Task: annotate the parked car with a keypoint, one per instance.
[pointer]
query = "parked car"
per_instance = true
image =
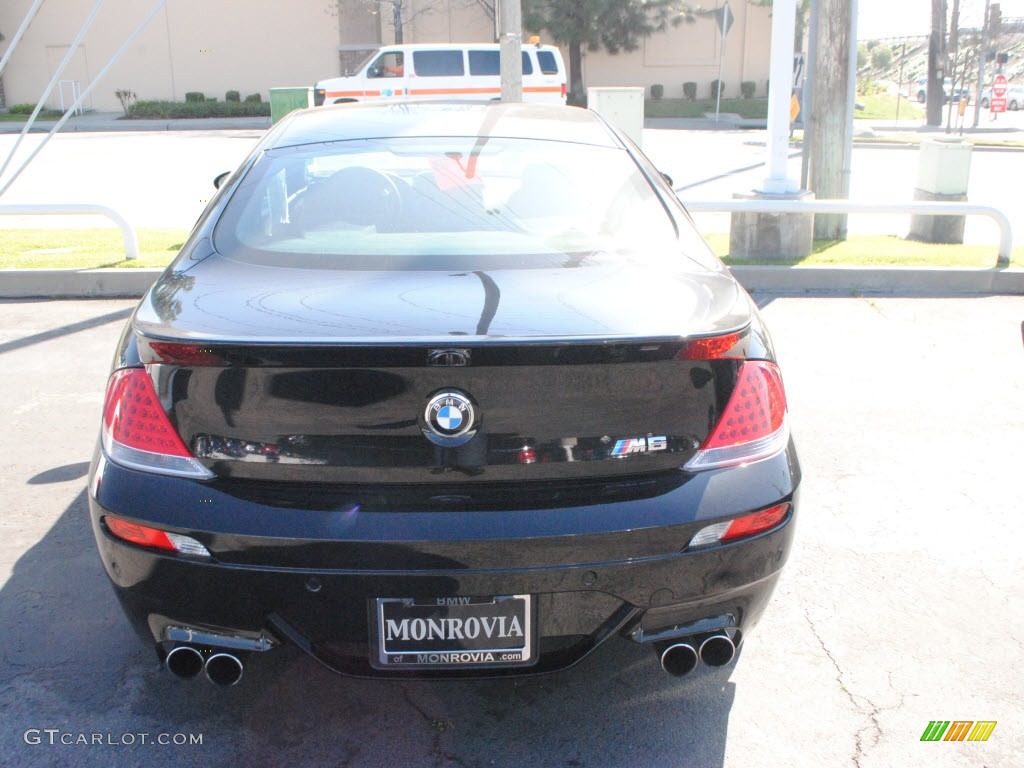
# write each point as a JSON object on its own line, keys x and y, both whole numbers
{"x": 446, "y": 71}
{"x": 951, "y": 93}
{"x": 443, "y": 389}
{"x": 1014, "y": 97}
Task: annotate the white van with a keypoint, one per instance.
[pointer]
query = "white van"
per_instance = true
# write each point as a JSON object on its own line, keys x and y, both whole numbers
{"x": 446, "y": 71}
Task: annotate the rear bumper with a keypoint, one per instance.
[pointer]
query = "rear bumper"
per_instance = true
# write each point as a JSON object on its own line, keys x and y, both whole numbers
{"x": 594, "y": 570}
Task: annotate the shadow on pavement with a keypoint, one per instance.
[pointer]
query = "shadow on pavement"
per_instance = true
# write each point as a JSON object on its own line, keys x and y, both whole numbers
{"x": 70, "y": 662}
{"x": 65, "y": 330}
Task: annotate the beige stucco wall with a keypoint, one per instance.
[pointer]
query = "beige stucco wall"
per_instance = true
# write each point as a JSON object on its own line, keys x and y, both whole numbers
{"x": 252, "y": 45}
{"x": 192, "y": 45}
{"x": 690, "y": 52}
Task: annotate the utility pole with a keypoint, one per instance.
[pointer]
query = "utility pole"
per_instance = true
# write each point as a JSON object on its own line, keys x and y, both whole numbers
{"x": 954, "y": 42}
{"x": 511, "y": 38}
{"x": 832, "y": 111}
{"x": 986, "y": 41}
{"x": 937, "y": 64}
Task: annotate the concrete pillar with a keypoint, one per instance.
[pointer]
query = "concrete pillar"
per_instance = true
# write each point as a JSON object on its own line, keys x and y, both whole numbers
{"x": 944, "y": 169}
{"x": 771, "y": 236}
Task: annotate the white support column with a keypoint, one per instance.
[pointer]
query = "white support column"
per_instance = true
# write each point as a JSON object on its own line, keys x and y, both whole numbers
{"x": 780, "y": 93}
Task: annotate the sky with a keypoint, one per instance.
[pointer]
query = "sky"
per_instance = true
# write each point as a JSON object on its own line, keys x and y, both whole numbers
{"x": 894, "y": 18}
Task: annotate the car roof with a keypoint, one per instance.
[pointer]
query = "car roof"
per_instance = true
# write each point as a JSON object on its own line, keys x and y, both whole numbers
{"x": 412, "y": 119}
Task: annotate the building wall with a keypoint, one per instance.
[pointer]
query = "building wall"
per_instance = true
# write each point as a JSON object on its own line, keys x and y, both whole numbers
{"x": 690, "y": 52}
{"x": 191, "y": 45}
{"x": 253, "y": 45}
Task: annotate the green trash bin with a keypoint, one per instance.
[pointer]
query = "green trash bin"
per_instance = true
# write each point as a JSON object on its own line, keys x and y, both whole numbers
{"x": 284, "y": 100}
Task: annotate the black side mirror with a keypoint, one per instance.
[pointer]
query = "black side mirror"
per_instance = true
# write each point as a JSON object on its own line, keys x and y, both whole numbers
{"x": 668, "y": 179}
{"x": 220, "y": 178}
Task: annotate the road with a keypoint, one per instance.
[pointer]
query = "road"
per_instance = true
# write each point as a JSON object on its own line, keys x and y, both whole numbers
{"x": 901, "y": 604}
{"x": 163, "y": 179}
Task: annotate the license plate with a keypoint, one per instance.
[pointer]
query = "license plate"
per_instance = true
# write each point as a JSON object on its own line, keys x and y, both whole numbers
{"x": 451, "y": 632}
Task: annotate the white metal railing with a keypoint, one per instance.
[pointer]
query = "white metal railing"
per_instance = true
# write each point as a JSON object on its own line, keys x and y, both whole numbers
{"x": 847, "y": 206}
{"x": 131, "y": 241}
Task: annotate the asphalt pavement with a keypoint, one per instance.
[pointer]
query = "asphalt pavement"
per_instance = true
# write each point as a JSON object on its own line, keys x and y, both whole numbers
{"x": 900, "y": 605}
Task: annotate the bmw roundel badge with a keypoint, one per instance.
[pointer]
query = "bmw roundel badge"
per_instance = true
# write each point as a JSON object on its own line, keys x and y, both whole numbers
{"x": 450, "y": 418}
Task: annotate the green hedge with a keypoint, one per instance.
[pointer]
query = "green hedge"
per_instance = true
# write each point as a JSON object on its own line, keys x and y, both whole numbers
{"x": 176, "y": 110}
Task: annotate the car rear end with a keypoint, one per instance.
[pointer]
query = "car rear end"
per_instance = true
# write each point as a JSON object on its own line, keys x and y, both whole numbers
{"x": 451, "y": 464}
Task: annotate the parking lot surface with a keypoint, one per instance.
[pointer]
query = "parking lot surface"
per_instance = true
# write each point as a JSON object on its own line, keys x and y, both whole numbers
{"x": 900, "y": 606}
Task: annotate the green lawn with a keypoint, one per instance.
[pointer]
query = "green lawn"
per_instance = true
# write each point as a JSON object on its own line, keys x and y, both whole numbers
{"x": 85, "y": 248}
{"x": 46, "y": 114}
{"x": 882, "y": 106}
{"x": 882, "y": 251}
{"x": 94, "y": 248}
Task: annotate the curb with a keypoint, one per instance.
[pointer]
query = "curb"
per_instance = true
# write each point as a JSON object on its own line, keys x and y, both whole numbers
{"x": 900, "y": 281}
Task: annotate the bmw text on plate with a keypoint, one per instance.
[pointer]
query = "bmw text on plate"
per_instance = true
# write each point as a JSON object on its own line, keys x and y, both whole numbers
{"x": 443, "y": 389}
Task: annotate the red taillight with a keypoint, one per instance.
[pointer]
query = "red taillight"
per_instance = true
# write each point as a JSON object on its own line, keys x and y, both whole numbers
{"x": 137, "y": 432}
{"x": 756, "y": 409}
{"x": 753, "y": 424}
{"x": 175, "y": 353}
{"x": 712, "y": 348}
{"x": 565, "y": 90}
{"x": 134, "y": 417}
{"x": 759, "y": 522}
{"x": 142, "y": 535}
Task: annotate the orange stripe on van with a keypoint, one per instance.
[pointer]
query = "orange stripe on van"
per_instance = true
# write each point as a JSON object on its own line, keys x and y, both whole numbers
{"x": 347, "y": 94}
{"x": 450, "y": 91}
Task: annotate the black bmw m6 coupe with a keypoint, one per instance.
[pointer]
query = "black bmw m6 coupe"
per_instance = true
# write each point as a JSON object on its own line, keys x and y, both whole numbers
{"x": 443, "y": 390}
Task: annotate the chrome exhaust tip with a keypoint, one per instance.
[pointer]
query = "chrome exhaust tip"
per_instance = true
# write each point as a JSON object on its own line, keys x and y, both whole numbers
{"x": 184, "y": 661}
{"x": 679, "y": 659}
{"x": 224, "y": 669}
{"x": 717, "y": 650}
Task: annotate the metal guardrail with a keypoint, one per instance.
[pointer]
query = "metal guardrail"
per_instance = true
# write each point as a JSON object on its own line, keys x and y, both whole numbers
{"x": 131, "y": 241}
{"x": 848, "y": 206}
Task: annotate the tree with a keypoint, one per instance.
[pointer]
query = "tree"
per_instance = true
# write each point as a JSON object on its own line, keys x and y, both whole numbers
{"x": 401, "y": 13}
{"x": 614, "y": 25}
{"x": 803, "y": 8}
{"x": 881, "y": 57}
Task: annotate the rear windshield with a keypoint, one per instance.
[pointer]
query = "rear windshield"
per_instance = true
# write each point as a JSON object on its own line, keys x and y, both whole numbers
{"x": 446, "y": 203}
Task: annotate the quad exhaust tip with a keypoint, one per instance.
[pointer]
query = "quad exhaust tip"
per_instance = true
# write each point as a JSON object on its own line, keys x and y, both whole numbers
{"x": 717, "y": 650}
{"x": 186, "y": 662}
{"x": 224, "y": 669}
{"x": 680, "y": 656}
{"x": 679, "y": 659}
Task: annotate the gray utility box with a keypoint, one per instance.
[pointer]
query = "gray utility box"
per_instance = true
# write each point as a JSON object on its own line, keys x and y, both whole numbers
{"x": 944, "y": 169}
{"x": 622, "y": 107}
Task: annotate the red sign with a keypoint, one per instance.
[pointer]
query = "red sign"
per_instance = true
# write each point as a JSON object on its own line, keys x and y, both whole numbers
{"x": 999, "y": 86}
{"x": 997, "y": 104}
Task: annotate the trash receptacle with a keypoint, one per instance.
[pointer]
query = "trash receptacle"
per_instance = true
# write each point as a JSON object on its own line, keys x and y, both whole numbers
{"x": 944, "y": 169}
{"x": 284, "y": 100}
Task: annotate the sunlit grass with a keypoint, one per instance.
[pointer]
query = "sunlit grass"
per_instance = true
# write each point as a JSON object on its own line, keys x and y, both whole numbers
{"x": 881, "y": 251}
{"x": 85, "y": 248}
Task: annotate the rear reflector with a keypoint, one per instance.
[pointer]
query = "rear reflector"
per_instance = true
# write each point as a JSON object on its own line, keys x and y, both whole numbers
{"x": 753, "y": 425}
{"x": 740, "y": 528}
{"x": 154, "y": 538}
{"x": 137, "y": 432}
